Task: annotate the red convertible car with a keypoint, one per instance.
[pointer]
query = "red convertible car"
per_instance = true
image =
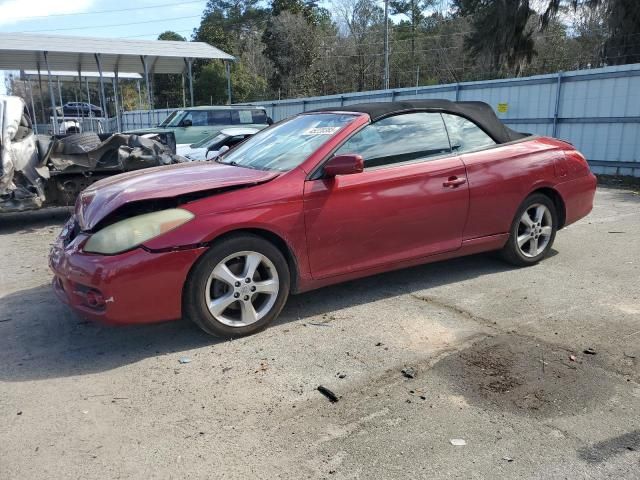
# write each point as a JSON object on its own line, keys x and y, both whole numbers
{"x": 320, "y": 198}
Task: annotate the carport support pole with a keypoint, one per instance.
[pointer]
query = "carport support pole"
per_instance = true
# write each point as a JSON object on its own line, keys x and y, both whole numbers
{"x": 60, "y": 94}
{"x": 44, "y": 116}
{"x": 115, "y": 99}
{"x": 139, "y": 95}
{"x": 227, "y": 67}
{"x": 79, "y": 93}
{"x": 190, "y": 73}
{"x": 146, "y": 77}
{"x": 33, "y": 107}
{"x": 103, "y": 97}
{"x": 184, "y": 92}
{"x": 89, "y": 102}
{"x": 51, "y": 97}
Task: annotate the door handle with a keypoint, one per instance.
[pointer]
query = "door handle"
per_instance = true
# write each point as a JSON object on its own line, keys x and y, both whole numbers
{"x": 454, "y": 182}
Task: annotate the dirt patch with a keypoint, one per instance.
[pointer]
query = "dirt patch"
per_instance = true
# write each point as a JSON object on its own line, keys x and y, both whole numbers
{"x": 514, "y": 373}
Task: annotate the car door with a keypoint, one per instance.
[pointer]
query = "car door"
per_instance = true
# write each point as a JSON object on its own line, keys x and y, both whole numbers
{"x": 410, "y": 201}
{"x": 193, "y": 127}
{"x": 496, "y": 174}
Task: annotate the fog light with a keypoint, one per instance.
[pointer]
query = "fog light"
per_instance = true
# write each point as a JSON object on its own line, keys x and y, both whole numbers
{"x": 94, "y": 299}
{"x": 90, "y": 296}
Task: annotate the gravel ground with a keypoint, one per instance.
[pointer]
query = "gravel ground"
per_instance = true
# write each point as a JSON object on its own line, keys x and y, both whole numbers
{"x": 498, "y": 357}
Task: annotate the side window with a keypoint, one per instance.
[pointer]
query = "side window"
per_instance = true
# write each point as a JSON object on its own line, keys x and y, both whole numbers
{"x": 259, "y": 116}
{"x": 465, "y": 135}
{"x": 240, "y": 117}
{"x": 401, "y": 138}
{"x": 219, "y": 117}
{"x": 198, "y": 118}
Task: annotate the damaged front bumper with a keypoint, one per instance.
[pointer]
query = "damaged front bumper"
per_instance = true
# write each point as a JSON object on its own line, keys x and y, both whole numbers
{"x": 148, "y": 287}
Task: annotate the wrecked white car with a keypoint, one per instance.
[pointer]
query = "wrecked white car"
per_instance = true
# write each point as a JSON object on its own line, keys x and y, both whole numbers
{"x": 43, "y": 170}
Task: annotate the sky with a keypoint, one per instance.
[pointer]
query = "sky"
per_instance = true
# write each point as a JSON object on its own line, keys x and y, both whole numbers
{"x": 142, "y": 19}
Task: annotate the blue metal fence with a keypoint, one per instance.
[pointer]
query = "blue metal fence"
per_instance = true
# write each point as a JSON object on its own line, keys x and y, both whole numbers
{"x": 597, "y": 110}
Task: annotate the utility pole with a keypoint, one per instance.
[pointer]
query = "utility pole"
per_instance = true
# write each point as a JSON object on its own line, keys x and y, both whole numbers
{"x": 386, "y": 44}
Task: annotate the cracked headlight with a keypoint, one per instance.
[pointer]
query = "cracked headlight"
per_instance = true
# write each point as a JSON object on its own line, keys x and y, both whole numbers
{"x": 130, "y": 233}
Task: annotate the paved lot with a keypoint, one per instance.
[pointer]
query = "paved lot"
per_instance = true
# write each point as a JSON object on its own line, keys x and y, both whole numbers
{"x": 491, "y": 347}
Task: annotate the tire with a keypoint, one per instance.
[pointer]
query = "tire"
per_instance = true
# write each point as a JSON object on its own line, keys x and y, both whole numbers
{"x": 80, "y": 143}
{"x": 209, "y": 283}
{"x": 531, "y": 240}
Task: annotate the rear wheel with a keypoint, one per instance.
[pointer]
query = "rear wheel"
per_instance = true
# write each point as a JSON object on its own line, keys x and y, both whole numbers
{"x": 533, "y": 231}
{"x": 238, "y": 287}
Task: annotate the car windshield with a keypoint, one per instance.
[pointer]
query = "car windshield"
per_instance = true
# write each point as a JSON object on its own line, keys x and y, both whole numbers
{"x": 286, "y": 145}
{"x": 174, "y": 119}
{"x": 209, "y": 140}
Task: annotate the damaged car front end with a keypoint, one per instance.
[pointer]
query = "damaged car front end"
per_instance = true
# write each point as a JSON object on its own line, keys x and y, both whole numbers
{"x": 42, "y": 170}
{"x": 114, "y": 231}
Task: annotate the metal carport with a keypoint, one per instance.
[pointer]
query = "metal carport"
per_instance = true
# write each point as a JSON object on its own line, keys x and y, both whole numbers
{"x": 89, "y": 77}
{"x": 24, "y": 51}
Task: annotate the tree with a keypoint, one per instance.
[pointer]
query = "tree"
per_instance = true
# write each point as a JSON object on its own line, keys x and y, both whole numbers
{"x": 291, "y": 45}
{"x": 171, "y": 36}
{"x": 414, "y": 10}
{"x": 501, "y": 32}
{"x": 167, "y": 88}
{"x": 364, "y": 24}
{"x": 622, "y": 26}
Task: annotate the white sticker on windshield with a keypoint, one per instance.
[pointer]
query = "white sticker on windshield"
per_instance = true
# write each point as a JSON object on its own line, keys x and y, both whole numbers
{"x": 322, "y": 131}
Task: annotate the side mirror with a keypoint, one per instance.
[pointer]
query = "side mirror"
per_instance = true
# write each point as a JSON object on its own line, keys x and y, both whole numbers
{"x": 186, "y": 123}
{"x": 344, "y": 165}
{"x": 269, "y": 121}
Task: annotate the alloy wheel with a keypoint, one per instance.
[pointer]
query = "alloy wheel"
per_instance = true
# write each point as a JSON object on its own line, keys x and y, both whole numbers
{"x": 534, "y": 230}
{"x": 242, "y": 289}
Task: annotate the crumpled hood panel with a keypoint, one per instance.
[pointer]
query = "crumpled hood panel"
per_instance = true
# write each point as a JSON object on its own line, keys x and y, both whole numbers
{"x": 106, "y": 196}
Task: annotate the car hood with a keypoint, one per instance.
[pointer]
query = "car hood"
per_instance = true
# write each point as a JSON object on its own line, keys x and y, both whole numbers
{"x": 104, "y": 197}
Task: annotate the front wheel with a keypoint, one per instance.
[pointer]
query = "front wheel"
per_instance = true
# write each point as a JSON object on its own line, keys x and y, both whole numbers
{"x": 238, "y": 287}
{"x": 533, "y": 231}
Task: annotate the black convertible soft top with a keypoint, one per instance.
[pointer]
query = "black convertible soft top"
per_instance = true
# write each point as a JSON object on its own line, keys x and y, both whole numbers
{"x": 478, "y": 112}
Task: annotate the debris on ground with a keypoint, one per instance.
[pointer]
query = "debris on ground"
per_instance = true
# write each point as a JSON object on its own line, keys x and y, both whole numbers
{"x": 409, "y": 372}
{"x": 19, "y": 413}
{"x": 263, "y": 367}
{"x": 508, "y": 459}
{"x": 341, "y": 375}
{"x": 184, "y": 360}
{"x": 379, "y": 344}
{"x": 458, "y": 442}
{"x": 5, "y": 320}
{"x": 333, "y": 398}
{"x": 319, "y": 324}
{"x": 589, "y": 351}
{"x": 572, "y": 358}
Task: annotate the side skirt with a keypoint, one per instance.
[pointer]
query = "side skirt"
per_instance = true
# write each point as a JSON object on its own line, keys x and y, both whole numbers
{"x": 468, "y": 247}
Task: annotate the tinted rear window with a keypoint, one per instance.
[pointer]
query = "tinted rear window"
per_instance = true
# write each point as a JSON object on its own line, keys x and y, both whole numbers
{"x": 247, "y": 117}
{"x": 219, "y": 117}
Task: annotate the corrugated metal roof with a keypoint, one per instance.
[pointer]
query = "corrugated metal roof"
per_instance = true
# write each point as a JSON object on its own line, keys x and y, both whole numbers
{"x": 24, "y": 51}
{"x": 66, "y": 76}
